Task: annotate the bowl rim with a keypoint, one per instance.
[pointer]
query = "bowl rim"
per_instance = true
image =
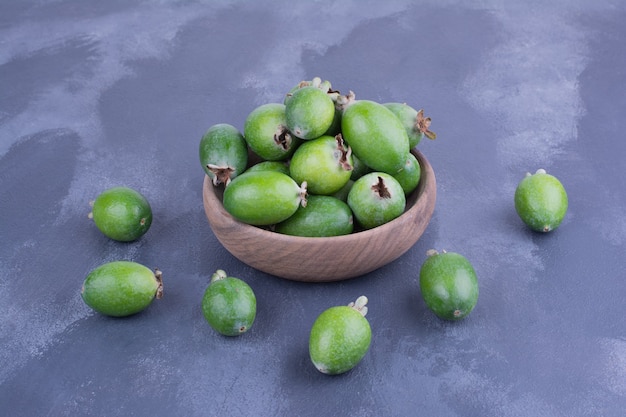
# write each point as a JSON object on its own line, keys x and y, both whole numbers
{"x": 427, "y": 173}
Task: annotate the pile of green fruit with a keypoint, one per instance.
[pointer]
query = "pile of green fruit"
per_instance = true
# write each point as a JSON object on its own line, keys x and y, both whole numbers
{"x": 321, "y": 161}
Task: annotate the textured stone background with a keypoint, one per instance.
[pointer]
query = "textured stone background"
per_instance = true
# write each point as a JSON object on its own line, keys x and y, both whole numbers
{"x": 95, "y": 94}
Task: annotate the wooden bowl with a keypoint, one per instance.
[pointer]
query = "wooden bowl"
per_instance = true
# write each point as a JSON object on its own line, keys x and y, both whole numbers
{"x": 320, "y": 259}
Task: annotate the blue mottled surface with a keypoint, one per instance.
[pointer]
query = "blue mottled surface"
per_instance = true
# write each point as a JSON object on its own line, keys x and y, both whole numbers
{"x": 96, "y": 94}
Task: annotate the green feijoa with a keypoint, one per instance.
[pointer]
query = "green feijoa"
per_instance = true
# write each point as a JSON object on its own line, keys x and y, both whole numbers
{"x": 317, "y": 82}
{"x": 335, "y": 127}
{"x": 342, "y": 194}
{"x": 223, "y": 153}
{"x": 309, "y": 112}
{"x": 410, "y": 176}
{"x": 121, "y": 288}
{"x": 324, "y": 163}
{"x": 278, "y": 166}
{"x": 325, "y": 86}
{"x": 121, "y": 214}
{"x": 375, "y": 199}
{"x": 358, "y": 168}
{"x": 323, "y": 216}
{"x": 448, "y": 285}
{"x": 229, "y": 304}
{"x": 414, "y": 122}
{"x": 265, "y": 131}
{"x": 263, "y": 198}
{"x": 340, "y": 337}
{"x": 541, "y": 201}
{"x": 376, "y": 135}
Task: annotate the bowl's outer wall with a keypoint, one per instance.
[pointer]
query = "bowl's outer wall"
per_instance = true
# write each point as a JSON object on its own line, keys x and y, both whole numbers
{"x": 324, "y": 259}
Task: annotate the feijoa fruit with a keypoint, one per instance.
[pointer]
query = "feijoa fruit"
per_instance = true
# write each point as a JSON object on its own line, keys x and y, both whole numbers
{"x": 229, "y": 304}
{"x": 410, "y": 176}
{"x": 121, "y": 214}
{"x": 541, "y": 201}
{"x": 358, "y": 168}
{"x": 325, "y": 86}
{"x": 279, "y": 166}
{"x": 415, "y": 124}
{"x": 265, "y": 131}
{"x": 342, "y": 194}
{"x": 317, "y": 82}
{"x": 121, "y": 288}
{"x": 325, "y": 163}
{"x": 309, "y": 112}
{"x": 375, "y": 199}
{"x": 376, "y": 135}
{"x": 223, "y": 153}
{"x": 448, "y": 284}
{"x": 323, "y": 216}
{"x": 263, "y": 198}
{"x": 340, "y": 337}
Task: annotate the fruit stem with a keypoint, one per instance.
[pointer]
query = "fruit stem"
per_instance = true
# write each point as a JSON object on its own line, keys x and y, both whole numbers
{"x": 345, "y": 152}
{"x": 303, "y": 194}
{"x": 380, "y": 188}
{"x": 282, "y": 138}
{"x": 158, "y": 275}
{"x": 359, "y": 305}
{"x": 422, "y": 124}
{"x": 317, "y": 82}
{"x": 219, "y": 274}
{"x": 432, "y": 252}
{"x": 221, "y": 174}
{"x": 343, "y": 102}
{"x": 326, "y": 87}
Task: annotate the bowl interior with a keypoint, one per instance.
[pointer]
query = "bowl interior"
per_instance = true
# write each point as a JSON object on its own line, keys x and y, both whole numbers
{"x": 319, "y": 259}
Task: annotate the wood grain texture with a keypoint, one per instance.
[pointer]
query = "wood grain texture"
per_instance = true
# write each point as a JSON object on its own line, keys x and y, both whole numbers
{"x": 319, "y": 259}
